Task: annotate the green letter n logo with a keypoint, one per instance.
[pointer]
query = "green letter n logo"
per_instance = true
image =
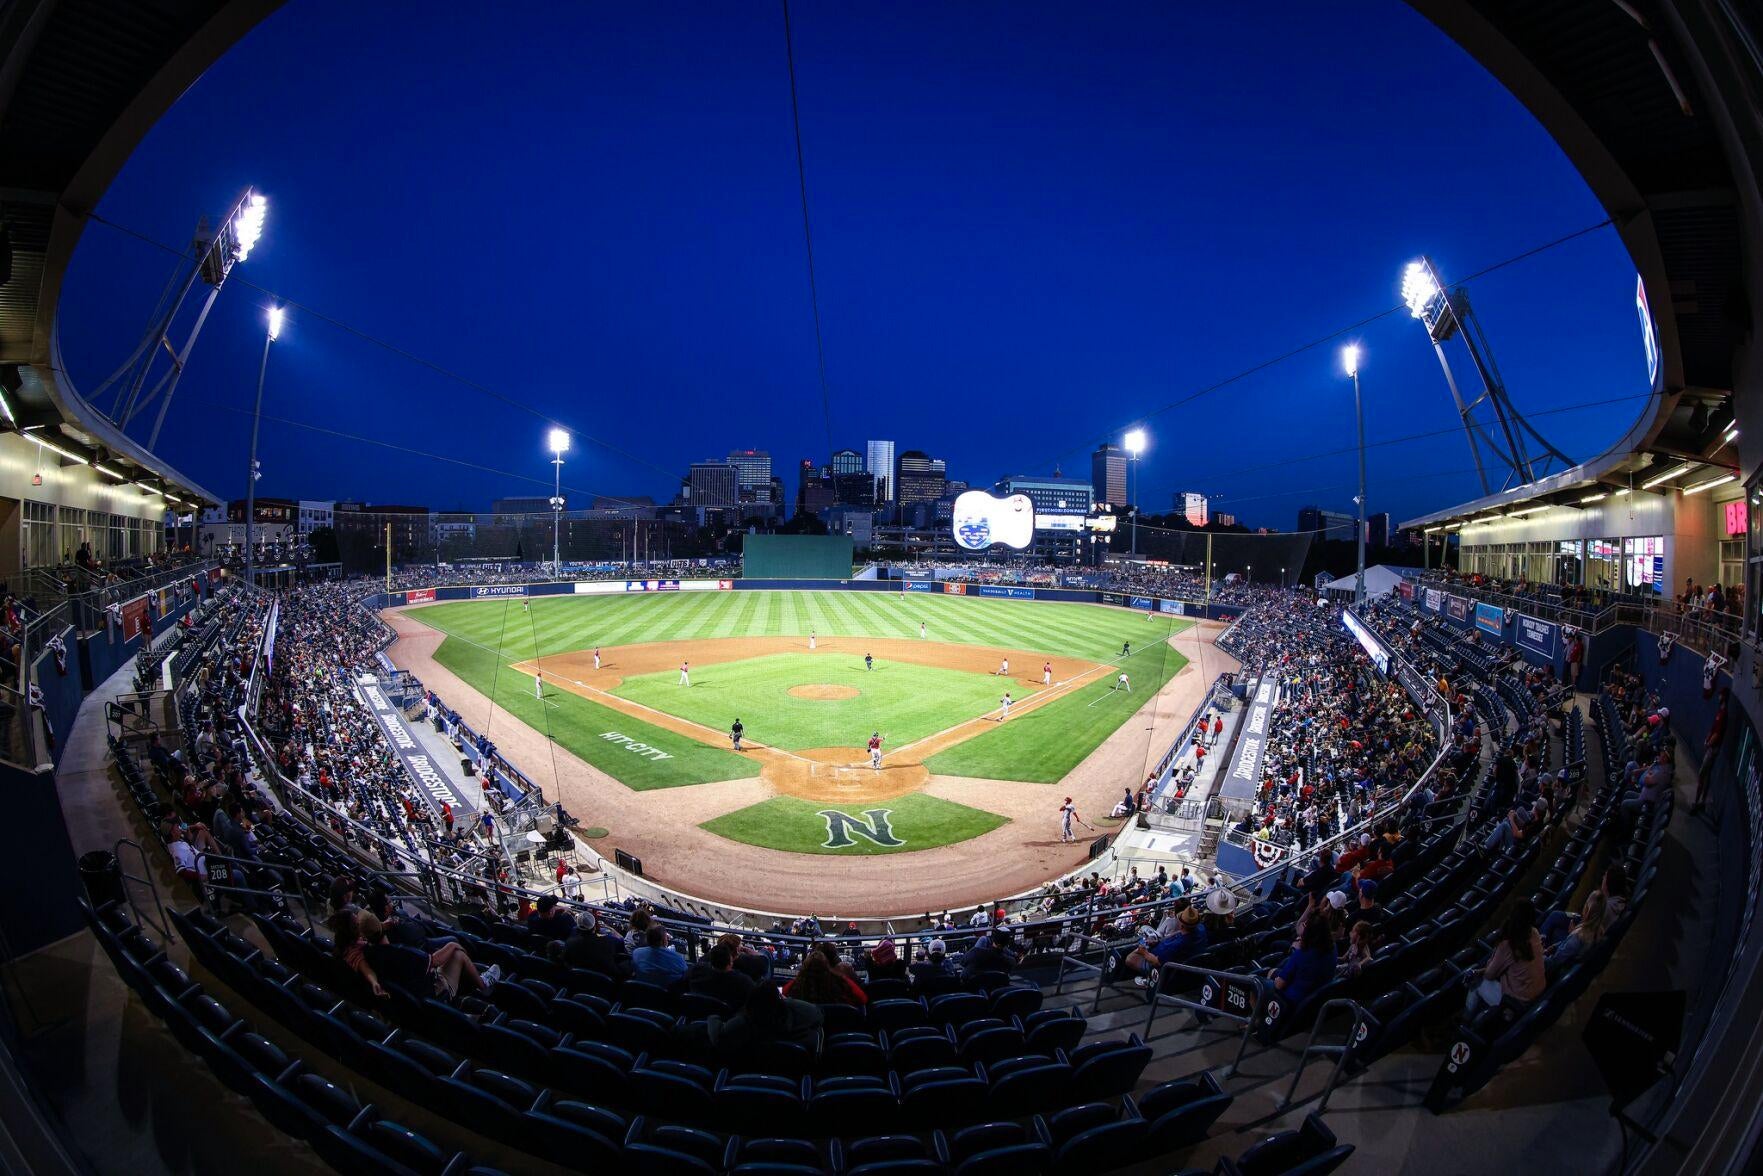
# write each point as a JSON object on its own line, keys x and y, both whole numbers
{"x": 840, "y": 826}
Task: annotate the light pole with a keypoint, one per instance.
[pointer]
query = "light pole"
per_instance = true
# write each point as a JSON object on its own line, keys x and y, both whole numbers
{"x": 275, "y": 328}
{"x": 1350, "y": 360}
{"x": 1282, "y": 577}
{"x": 559, "y": 446}
{"x": 1135, "y": 445}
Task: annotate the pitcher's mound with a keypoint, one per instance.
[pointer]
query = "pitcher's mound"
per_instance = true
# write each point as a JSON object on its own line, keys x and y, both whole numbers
{"x": 823, "y": 693}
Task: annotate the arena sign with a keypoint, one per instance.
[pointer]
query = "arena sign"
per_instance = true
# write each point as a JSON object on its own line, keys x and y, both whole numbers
{"x": 1006, "y": 592}
{"x": 980, "y": 520}
{"x": 1490, "y": 619}
{"x": 1540, "y": 637}
{"x": 1457, "y": 608}
{"x": 1435, "y": 600}
{"x": 841, "y": 825}
{"x": 1243, "y": 780}
{"x": 419, "y": 596}
{"x": 486, "y": 591}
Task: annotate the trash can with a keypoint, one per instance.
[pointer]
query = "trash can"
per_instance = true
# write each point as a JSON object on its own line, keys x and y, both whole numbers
{"x": 102, "y": 874}
{"x": 468, "y": 765}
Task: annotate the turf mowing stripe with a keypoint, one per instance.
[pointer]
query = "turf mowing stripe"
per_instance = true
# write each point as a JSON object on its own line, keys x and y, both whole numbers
{"x": 747, "y": 619}
{"x": 884, "y": 622}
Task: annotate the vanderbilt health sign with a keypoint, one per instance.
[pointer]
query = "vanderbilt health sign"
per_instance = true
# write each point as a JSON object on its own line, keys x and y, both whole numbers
{"x": 1244, "y": 778}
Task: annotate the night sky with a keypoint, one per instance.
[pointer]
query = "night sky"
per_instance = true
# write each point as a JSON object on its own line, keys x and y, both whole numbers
{"x": 1034, "y": 224}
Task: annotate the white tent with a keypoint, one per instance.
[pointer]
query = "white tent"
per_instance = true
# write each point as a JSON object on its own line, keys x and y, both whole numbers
{"x": 1379, "y": 581}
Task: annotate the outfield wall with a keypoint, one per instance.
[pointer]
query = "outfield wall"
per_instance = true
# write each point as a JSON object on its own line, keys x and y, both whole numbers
{"x": 1165, "y": 605}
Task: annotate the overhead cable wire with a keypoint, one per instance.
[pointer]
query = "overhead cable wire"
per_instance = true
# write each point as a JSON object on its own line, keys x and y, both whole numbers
{"x": 826, "y": 402}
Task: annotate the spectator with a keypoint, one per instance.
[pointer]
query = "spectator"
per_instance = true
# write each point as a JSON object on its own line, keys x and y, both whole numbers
{"x": 715, "y": 977}
{"x": 656, "y": 961}
{"x": 1188, "y": 936}
{"x": 1514, "y": 975}
{"x": 550, "y": 920}
{"x": 885, "y": 962}
{"x": 991, "y": 954}
{"x": 766, "y": 1016}
{"x": 818, "y": 983}
{"x": 591, "y": 948}
{"x": 934, "y": 964}
{"x": 1310, "y": 965}
{"x": 1586, "y": 932}
{"x": 449, "y": 968}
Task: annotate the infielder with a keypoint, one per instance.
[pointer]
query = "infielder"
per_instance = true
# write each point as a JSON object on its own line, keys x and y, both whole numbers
{"x": 1004, "y": 706}
{"x": 1047, "y": 674}
{"x": 811, "y": 641}
{"x": 596, "y": 657}
{"x": 869, "y": 661}
{"x": 538, "y": 684}
{"x": 1123, "y": 683}
{"x": 685, "y": 673}
{"x": 735, "y": 732}
{"x": 1004, "y": 668}
{"x": 875, "y": 742}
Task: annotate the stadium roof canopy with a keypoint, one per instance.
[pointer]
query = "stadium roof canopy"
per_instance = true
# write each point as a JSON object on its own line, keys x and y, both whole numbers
{"x": 1627, "y": 101}
{"x": 1380, "y": 580}
{"x": 81, "y": 82}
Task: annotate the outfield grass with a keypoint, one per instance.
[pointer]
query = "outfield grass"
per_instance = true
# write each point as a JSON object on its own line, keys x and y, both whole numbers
{"x": 578, "y": 724}
{"x": 557, "y": 624}
{"x": 915, "y": 821}
{"x": 905, "y": 702}
{"x": 1044, "y": 744}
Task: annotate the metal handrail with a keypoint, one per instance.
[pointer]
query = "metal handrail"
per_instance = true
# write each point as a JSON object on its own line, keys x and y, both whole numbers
{"x": 163, "y": 926}
{"x": 1212, "y": 1003}
{"x": 1339, "y": 1052}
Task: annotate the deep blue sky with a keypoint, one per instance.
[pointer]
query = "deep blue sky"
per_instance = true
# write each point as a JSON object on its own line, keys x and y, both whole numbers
{"x": 1033, "y": 224}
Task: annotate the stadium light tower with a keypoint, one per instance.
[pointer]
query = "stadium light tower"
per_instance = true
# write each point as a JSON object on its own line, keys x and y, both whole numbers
{"x": 269, "y": 336}
{"x": 559, "y": 441}
{"x": 1447, "y": 315}
{"x": 215, "y": 253}
{"x": 1135, "y": 445}
{"x": 1350, "y": 361}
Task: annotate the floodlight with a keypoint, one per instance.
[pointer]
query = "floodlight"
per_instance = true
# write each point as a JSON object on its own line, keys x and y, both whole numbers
{"x": 1593, "y": 498}
{"x": 104, "y": 469}
{"x": 248, "y": 224}
{"x": 559, "y": 442}
{"x": 1668, "y": 475}
{"x": 1710, "y": 484}
{"x": 1135, "y": 441}
{"x": 1419, "y": 288}
{"x": 276, "y": 313}
{"x": 1350, "y": 359}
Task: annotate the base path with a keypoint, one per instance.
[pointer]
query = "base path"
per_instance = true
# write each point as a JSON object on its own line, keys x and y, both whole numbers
{"x": 661, "y": 825}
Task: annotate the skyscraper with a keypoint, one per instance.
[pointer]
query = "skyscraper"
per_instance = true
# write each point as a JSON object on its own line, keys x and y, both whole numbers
{"x": 921, "y": 477}
{"x": 752, "y": 472}
{"x": 846, "y": 461}
{"x": 1377, "y": 530}
{"x": 1108, "y": 474}
{"x": 880, "y": 464}
{"x": 1192, "y": 506}
{"x": 711, "y": 483}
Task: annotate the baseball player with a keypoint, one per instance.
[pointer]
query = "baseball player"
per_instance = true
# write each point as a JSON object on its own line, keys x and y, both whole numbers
{"x": 1047, "y": 674}
{"x": 538, "y": 684}
{"x": 596, "y": 657}
{"x": 1004, "y": 668}
{"x": 921, "y": 630}
{"x": 1126, "y": 649}
{"x": 1068, "y": 814}
{"x": 1004, "y": 707}
{"x": 735, "y": 732}
{"x": 685, "y": 673}
{"x": 811, "y": 641}
{"x": 869, "y": 661}
{"x": 1123, "y": 683}
{"x": 875, "y": 742}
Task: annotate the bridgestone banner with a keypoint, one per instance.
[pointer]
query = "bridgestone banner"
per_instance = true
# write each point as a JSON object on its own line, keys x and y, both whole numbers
{"x": 1243, "y": 781}
{"x": 416, "y": 761}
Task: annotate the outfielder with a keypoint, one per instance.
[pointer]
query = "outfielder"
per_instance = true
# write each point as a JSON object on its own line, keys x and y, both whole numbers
{"x": 869, "y": 661}
{"x": 596, "y": 657}
{"x": 921, "y": 630}
{"x": 685, "y": 673}
{"x": 1004, "y": 706}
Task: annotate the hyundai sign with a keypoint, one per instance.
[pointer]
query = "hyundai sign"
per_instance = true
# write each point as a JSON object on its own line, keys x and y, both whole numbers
{"x": 981, "y": 520}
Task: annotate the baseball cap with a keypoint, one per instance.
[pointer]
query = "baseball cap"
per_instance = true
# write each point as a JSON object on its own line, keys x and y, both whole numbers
{"x": 1337, "y": 899}
{"x": 939, "y": 945}
{"x": 1368, "y": 888}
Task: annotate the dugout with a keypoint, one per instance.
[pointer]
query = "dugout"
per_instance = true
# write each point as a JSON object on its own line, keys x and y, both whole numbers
{"x": 796, "y": 557}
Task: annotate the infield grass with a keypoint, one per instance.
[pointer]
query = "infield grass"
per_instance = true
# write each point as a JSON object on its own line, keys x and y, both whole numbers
{"x": 915, "y": 821}
{"x": 579, "y": 725}
{"x": 905, "y": 702}
{"x": 1046, "y": 743}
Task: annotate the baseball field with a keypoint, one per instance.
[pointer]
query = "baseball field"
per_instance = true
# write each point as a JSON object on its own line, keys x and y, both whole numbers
{"x": 813, "y": 677}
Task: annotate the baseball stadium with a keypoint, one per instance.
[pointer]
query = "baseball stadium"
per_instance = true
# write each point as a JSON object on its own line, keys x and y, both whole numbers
{"x": 445, "y": 734}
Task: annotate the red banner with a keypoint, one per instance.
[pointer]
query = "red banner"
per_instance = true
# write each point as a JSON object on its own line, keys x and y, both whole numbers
{"x": 213, "y": 575}
{"x": 1406, "y": 589}
{"x": 954, "y": 589}
{"x": 419, "y": 596}
{"x": 134, "y": 618}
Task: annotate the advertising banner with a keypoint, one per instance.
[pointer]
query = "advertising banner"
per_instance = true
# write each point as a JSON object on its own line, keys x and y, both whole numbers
{"x": 1405, "y": 589}
{"x": 1178, "y": 607}
{"x": 213, "y": 575}
{"x": 1007, "y": 592}
{"x": 164, "y": 601}
{"x": 1374, "y": 649}
{"x": 1540, "y": 637}
{"x": 1435, "y": 600}
{"x": 1144, "y": 602}
{"x": 416, "y": 761}
{"x": 954, "y": 589}
{"x": 920, "y": 586}
{"x": 1243, "y": 780}
{"x": 487, "y": 591}
{"x": 1457, "y": 608}
{"x": 1114, "y": 598}
{"x": 1490, "y": 619}
{"x": 419, "y": 596}
{"x": 134, "y": 618}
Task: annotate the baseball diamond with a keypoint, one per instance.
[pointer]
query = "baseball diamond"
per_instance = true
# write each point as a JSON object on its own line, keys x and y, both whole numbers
{"x": 651, "y": 759}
